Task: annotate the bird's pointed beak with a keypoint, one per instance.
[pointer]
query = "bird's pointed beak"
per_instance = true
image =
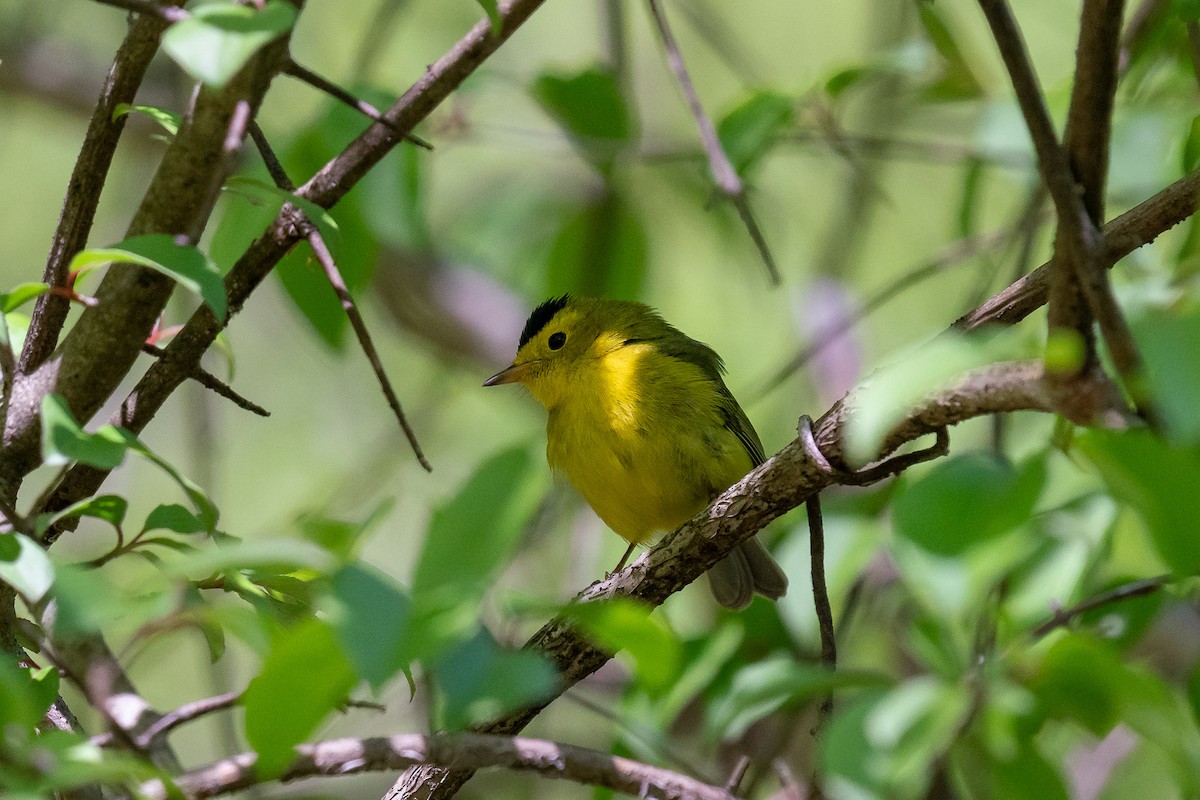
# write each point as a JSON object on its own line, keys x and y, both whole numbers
{"x": 511, "y": 374}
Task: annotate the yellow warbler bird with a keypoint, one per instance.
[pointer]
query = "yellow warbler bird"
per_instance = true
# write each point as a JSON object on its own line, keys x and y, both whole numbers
{"x": 642, "y": 424}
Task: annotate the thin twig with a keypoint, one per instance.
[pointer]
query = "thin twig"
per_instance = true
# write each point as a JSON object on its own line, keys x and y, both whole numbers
{"x": 464, "y": 750}
{"x": 212, "y": 383}
{"x": 1064, "y": 616}
{"x": 330, "y": 88}
{"x": 820, "y": 589}
{"x": 334, "y": 276}
{"x": 723, "y": 173}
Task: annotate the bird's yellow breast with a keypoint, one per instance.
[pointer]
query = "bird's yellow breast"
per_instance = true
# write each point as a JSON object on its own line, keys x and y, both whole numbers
{"x": 641, "y": 436}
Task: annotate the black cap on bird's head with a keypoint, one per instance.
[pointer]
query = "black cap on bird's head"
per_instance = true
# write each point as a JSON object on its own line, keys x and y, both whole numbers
{"x": 541, "y": 316}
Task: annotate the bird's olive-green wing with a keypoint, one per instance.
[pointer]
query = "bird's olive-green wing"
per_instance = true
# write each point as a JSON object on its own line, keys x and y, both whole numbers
{"x": 687, "y": 349}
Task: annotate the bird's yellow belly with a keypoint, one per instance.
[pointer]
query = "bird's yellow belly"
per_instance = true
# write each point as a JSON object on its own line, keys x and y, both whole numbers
{"x": 638, "y": 482}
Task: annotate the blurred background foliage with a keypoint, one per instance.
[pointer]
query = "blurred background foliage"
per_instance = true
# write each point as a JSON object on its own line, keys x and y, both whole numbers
{"x": 890, "y": 171}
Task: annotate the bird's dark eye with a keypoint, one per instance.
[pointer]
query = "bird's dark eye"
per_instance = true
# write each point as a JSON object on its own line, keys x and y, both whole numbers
{"x": 557, "y": 340}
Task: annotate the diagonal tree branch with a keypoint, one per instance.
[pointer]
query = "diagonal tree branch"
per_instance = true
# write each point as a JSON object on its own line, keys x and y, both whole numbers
{"x": 783, "y": 482}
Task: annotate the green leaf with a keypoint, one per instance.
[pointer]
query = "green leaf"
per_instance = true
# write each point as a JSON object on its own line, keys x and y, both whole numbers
{"x": 591, "y": 108}
{"x": 1159, "y": 481}
{"x": 217, "y": 39}
{"x": 232, "y": 555}
{"x": 1170, "y": 343}
{"x": 480, "y": 680}
{"x": 64, "y": 440}
{"x": 762, "y": 688}
{"x": 749, "y": 131}
{"x": 21, "y": 294}
{"x": 273, "y": 197}
{"x": 173, "y": 517}
{"x": 468, "y": 541}
{"x": 882, "y": 400}
{"x": 304, "y": 677}
{"x": 25, "y": 566}
{"x": 628, "y": 628}
{"x": 966, "y": 500}
{"x": 972, "y": 190}
{"x": 493, "y": 13}
{"x": 109, "y": 507}
{"x": 370, "y": 622}
{"x": 185, "y": 264}
{"x": 167, "y": 119}
{"x": 341, "y": 537}
{"x": 25, "y": 693}
{"x": 205, "y": 508}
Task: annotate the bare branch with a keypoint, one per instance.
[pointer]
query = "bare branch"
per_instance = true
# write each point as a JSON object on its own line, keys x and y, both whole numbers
{"x": 330, "y": 88}
{"x": 1139, "y": 226}
{"x": 1064, "y": 616}
{"x": 334, "y": 276}
{"x": 212, "y": 383}
{"x": 725, "y": 176}
{"x": 466, "y": 750}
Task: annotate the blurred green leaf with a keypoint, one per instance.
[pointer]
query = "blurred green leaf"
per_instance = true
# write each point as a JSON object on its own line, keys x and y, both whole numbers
{"x": 1158, "y": 480}
{"x": 881, "y": 400}
{"x": 1186, "y": 10}
{"x": 184, "y": 264}
{"x": 21, "y": 294}
{"x": 911, "y": 727}
{"x": 25, "y": 693}
{"x": 1080, "y": 679}
{"x": 972, "y": 191}
{"x": 749, "y": 131}
{"x": 168, "y": 120}
{"x": 957, "y": 81}
{"x": 304, "y": 677}
{"x": 591, "y": 108}
{"x": 493, "y": 14}
{"x": 1191, "y": 145}
{"x": 25, "y": 566}
{"x": 965, "y": 500}
{"x": 173, "y": 517}
{"x": 64, "y": 439}
{"x": 1170, "y": 344}
{"x": 230, "y": 555}
{"x": 600, "y": 250}
{"x": 341, "y": 537}
{"x": 480, "y": 680}
{"x": 629, "y": 629}
{"x": 217, "y": 39}
{"x": 469, "y": 539}
{"x": 88, "y": 601}
{"x": 766, "y": 686}
{"x": 370, "y": 622}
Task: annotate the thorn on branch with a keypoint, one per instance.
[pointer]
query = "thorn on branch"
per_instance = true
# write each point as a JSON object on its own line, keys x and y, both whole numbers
{"x": 369, "y": 111}
{"x": 212, "y": 383}
{"x": 729, "y": 183}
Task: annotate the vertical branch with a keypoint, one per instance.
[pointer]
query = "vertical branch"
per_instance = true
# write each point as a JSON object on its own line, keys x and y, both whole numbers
{"x": 87, "y": 181}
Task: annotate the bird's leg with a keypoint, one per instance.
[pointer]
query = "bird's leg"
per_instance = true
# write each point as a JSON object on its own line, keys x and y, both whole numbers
{"x": 621, "y": 563}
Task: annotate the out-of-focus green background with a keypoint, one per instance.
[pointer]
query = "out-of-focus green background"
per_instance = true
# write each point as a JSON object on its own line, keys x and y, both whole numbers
{"x": 495, "y": 192}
